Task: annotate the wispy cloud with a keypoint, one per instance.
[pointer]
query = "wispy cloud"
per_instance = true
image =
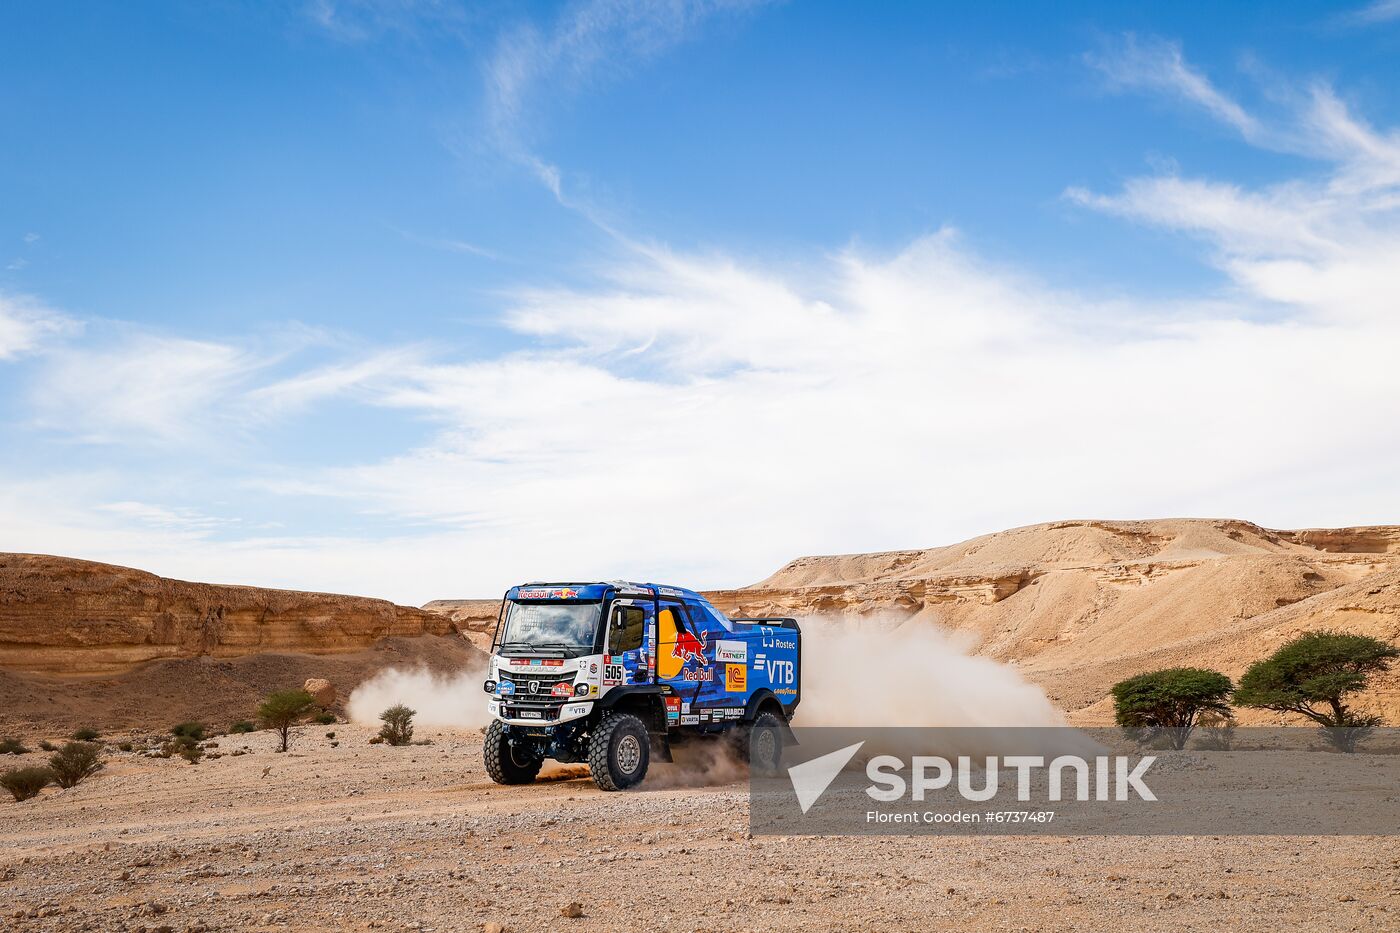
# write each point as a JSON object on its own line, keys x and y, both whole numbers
{"x": 1381, "y": 11}
{"x": 588, "y": 43}
{"x": 26, "y": 324}
{"x": 1156, "y": 64}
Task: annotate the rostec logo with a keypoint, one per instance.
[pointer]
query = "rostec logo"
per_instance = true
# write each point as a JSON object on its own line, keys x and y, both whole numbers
{"x": 1113, "y": 776}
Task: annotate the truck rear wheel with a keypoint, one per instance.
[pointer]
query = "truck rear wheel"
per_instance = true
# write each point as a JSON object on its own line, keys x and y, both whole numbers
{"x": 619, "y": 752}
{"x": 761, "y": 744}
{"x": 506, "y": 763}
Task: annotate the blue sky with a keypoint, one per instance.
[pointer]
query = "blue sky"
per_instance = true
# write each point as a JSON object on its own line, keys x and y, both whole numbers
{"x": 409, "y": 298}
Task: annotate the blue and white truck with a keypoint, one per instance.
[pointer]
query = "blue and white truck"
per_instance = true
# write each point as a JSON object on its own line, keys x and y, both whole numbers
{"x": 613, "y": 673}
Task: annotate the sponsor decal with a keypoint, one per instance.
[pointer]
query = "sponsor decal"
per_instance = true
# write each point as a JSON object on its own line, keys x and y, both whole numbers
{"x": 673, "y": 708}
{"x": 592, "y": 667}
{"x": 732, "y": 651}
{"x": 781, "y": 672}
{"x": 690, "y": 720}
{"x": 701, "y": 676}
{"x": 576, "y": 709}
{"x": 704, "y": 715}
{"x": 505, "y": 688}
{"x": 493, "y": 708}
{"x": 560, "y": 593}
{"x": 736, "y": 678}
{"x": 786, "y": 692}
{"x": 733, "y": 713}
{"x": 612, "y": 674}
{"x": 689, "y": 648}
{"x": 685, "y": 706}
{"x": 563, "y": 689}
{"x": 776, "y": 638}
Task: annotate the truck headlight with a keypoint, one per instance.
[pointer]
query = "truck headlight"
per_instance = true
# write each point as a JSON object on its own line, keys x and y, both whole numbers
{"x": 580, "y": 690}
{"x": 489, "y": 686}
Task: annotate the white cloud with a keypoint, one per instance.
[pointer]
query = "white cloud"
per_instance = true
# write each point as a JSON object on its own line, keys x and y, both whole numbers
{"x": 25, "y": 325}
{"x": 141, "y": 387}
{"x": 1381, "y": 11}
{"x": 589, "y": 41}
{"x": 1159, "y": 65}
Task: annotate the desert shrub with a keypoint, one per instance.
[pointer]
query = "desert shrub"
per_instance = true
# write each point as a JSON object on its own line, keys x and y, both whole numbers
{"x": 1162, "y": 706}
{"x": 330, "y": 735}
{"x": 189, "y": 730}
{"x": 124, "y": 746}
{"x": 75, "y": 762}
{"x": 325, "y": 719}
{"x": 10, "y": 745}
{"x": 86, "y": 734}
{"x": 282, "y": 710}
{"x": 23, "y": 783}
{"x": 241, "y": 727}
{"x": 46, "y": 745}
{"x": 398, "y": 724}
{"x": 1215, "y": 732}
{"x": 1312, "y": 676}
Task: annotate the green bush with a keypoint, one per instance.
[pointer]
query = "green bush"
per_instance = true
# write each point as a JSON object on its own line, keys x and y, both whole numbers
{"x": 46, "y": 745}
{"x": 10, "y": 745}
{"x": 325, "y": 719}
{"x": 86, "y": 734}
{"x": 1312, "y": 675}
{"x": 284, "y": 709}
{"x": 189, "y": 730}
{"x": 23, "y": 783}
{"x": 1164, "y": 705}
{"x": 241, "y": 727}
{"x": 398, "y": 724}
{"x": 125, "y": 747}
{"x": 75, "y": 762}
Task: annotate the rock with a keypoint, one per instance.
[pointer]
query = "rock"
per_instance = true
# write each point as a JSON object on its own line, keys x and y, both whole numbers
{"x": 494, "y": 927}
{"x": 321, "y": 690}
{"x": 572, "y": 910}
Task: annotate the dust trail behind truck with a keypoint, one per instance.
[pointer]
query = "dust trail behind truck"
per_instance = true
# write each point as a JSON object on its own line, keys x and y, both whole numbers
{"x": 613, "y": 673}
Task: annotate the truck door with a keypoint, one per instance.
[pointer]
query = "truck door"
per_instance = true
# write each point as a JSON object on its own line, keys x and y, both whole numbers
{"x": 682, "y": 659}
{"x": 628, "y": 657}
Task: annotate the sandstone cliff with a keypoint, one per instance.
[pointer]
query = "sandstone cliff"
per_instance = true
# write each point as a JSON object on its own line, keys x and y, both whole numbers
{"x": 1079, "y": 605}
{"x": 65, "y": 616}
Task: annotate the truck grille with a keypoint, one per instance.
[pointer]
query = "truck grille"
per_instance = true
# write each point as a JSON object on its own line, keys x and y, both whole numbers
{"x": 542, "y": 685}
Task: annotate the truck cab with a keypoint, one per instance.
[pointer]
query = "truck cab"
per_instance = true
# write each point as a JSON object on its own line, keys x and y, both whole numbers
{"x": 612, "y": 673}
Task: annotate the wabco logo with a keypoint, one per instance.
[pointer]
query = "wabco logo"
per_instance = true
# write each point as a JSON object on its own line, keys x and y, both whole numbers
{"x": 892, "y": 779}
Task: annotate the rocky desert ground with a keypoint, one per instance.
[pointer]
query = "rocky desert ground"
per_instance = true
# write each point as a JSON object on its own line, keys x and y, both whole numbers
{"x": 417, "y": 838}
{"x": 340, "y": 834}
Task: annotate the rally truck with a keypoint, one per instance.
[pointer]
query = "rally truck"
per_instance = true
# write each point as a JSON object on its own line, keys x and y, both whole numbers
{"x": 614, "y": 673}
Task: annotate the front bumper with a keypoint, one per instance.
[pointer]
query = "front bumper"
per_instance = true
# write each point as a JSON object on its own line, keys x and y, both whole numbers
{"x": 551, "y": 714}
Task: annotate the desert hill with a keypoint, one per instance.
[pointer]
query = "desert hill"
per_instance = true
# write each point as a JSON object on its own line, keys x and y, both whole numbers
{"x": 1074, "y": 605}
{"x": 1079, "y": 605}
{"x": 64, "y": 616}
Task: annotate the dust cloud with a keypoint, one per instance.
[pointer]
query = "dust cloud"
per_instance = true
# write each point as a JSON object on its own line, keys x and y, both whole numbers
{"x": 447, "y": 700}
{"x": 887, "y": 670}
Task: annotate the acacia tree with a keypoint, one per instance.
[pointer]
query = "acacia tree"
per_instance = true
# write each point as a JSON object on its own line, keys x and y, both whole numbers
{"x": 282, "y": 710}
{"x": 398, "y": 724}
{"x": 1311, "y": 676}
{"x": 1169, "y": 702}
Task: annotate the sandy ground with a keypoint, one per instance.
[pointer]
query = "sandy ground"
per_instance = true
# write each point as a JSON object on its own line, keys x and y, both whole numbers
{"x": 370, "y": 837}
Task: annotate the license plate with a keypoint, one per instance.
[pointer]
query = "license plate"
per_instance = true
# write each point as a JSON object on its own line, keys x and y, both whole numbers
{"x": 530, "y": 714}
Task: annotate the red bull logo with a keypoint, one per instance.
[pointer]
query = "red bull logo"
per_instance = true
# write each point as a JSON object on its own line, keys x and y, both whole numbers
{"x": 689, "y": 648}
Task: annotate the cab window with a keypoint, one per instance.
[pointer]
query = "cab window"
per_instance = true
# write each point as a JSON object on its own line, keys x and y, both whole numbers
{"x": 625, "y": 633}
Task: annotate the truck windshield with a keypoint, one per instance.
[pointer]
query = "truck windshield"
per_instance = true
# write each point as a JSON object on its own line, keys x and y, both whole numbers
{"x": 550, "y": 625}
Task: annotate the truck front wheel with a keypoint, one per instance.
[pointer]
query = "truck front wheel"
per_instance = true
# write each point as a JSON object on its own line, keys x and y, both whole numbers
{"x": 619, "y": 752}
{"x": 506, "y": 763}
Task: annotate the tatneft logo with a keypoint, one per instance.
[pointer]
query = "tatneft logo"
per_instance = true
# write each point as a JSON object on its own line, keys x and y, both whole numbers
{"x": 1101, "y": 778}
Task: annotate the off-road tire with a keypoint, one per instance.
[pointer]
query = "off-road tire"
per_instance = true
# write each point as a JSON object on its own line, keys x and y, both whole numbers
{"x": 501, "y": 760}
{"x": 761, "y": 744}
{"x": 619, "y": 752}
